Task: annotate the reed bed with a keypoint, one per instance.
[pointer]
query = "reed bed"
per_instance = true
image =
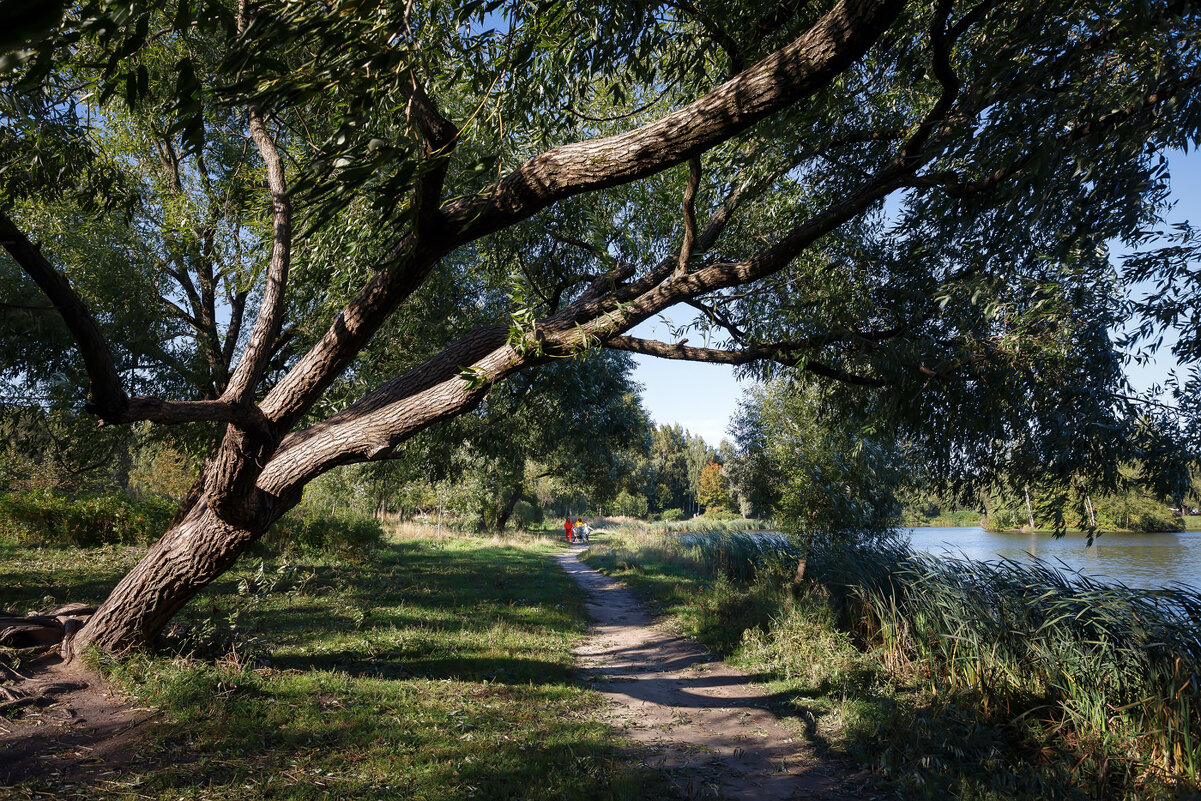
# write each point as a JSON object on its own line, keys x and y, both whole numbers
{"x": 695, "y": 525}
{"x": 1106, "y": 667}
{"x": 711, "y": 550}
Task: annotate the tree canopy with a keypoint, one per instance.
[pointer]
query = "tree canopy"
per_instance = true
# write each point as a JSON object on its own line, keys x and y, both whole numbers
{"x": 317, "y": 229}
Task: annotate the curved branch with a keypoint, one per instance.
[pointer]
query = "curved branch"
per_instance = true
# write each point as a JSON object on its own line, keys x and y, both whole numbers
{"x": 785, "y": 353}
{"x": 107, "y": 398}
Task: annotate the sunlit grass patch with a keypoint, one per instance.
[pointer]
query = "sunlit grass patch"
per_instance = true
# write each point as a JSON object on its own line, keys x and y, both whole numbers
{"x": 440, "y": 668}
{"x": 37, "y": 579}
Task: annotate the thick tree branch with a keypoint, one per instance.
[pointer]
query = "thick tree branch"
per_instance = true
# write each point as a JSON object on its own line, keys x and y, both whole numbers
{"x": 168, "y": 412}
{"x": 443, "y": 386}
{"x": 107, "y": 398}
{"x": 841, "y": 36}
{"x": 440, "y": 136}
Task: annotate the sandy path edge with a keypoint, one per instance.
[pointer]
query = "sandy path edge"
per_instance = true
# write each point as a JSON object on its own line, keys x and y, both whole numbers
{"x": 699, "y": 719}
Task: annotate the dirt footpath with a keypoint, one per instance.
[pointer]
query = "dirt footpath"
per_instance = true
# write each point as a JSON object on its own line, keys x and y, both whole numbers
{"x": 74, "y": 731}
{"x": 700, "y": 720}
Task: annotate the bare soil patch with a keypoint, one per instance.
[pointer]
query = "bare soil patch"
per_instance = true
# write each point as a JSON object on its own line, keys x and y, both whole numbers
{"x": 699, "y": 720}
{"x": 68, "y": 728}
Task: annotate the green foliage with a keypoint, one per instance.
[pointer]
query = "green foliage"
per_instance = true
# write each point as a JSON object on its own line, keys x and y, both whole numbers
{"x": 923, "y": 507}
{"x": 628, "y": 504}
{"x": 833, "y": 479}
{"x": 722, "y": 514}
{"x": 307, "y": 529}
{"x": 43, "y": 517}
{"x": 527, "y": 515}
{"x": 669, "y": 515}
{"x": 1132, "y": 509}
{"x": 673, "y": 468}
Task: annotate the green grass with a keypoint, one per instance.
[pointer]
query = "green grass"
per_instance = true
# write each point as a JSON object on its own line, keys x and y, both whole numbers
{"x": 947, "y": 679}
{"x": 439, "y": 668}
{"x": 1192, "y": 522}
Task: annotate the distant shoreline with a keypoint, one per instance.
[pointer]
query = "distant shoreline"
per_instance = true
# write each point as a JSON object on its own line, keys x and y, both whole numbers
{"x": 1190, "y": 528}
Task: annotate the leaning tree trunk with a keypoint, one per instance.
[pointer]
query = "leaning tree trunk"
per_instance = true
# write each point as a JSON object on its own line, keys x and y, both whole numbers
{"x": 193, "y": 552}
{"x": 199, "y": 546}
{"x": 506, "y": 511}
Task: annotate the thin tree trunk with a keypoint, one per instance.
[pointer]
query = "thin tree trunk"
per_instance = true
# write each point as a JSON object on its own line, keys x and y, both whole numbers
{"x": 803, "y": 562}
{"x": 1029, "y": 510}
{"x": 505, "y": 512}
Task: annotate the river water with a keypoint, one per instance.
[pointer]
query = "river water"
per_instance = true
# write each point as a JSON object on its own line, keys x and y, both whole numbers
{"x": 1147, "y": 561}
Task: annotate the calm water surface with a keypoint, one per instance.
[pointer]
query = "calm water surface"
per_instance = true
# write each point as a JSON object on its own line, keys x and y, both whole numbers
{"x": 1137, "y": 560}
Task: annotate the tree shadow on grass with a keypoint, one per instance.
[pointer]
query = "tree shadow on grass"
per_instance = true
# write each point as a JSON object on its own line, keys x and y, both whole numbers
{"x": 296, "y": 732}
{"x": 465, "y": 667}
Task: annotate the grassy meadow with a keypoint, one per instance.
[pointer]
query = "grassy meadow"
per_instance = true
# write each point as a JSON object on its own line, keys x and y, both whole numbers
{"x": 948, "y": 679}
{"x": 432, "y": 667}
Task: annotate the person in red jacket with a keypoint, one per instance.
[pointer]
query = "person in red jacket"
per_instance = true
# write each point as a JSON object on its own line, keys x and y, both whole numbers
{"x": 567, "y": 528}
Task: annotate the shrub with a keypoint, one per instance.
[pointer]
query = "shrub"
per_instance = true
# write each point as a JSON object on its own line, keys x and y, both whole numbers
{"x": 630, "y": 505}
{"x": 672, "y": 514}
{"x": 43, "y": 517}
{"x": 526, "y": 514}
{"x": 308, "y": 529}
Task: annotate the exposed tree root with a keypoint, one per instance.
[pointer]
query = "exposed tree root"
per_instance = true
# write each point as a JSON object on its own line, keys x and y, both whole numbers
{"x": 9, "y": 707}
{"x": 61, "y": 723}
{"x": 52, "y": 630}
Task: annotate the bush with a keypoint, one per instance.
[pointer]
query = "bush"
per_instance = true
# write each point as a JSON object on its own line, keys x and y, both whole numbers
{"x": 526, "y": 515}
{"x": 630, "y": 505}
{"x": 672, "y": 514}
{"x": 43, "y": 517}
{"x": 308, "y": 529}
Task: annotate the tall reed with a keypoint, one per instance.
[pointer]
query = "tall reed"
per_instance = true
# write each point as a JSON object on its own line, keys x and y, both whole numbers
{"x": 1097, "y": 663}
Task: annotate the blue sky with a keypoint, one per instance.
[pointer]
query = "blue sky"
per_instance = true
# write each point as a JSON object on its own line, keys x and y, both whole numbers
{"x": 703, "y": 397}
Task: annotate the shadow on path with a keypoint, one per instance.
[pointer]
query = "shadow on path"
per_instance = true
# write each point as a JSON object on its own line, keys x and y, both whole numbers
{"x": 699, "y": 719}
